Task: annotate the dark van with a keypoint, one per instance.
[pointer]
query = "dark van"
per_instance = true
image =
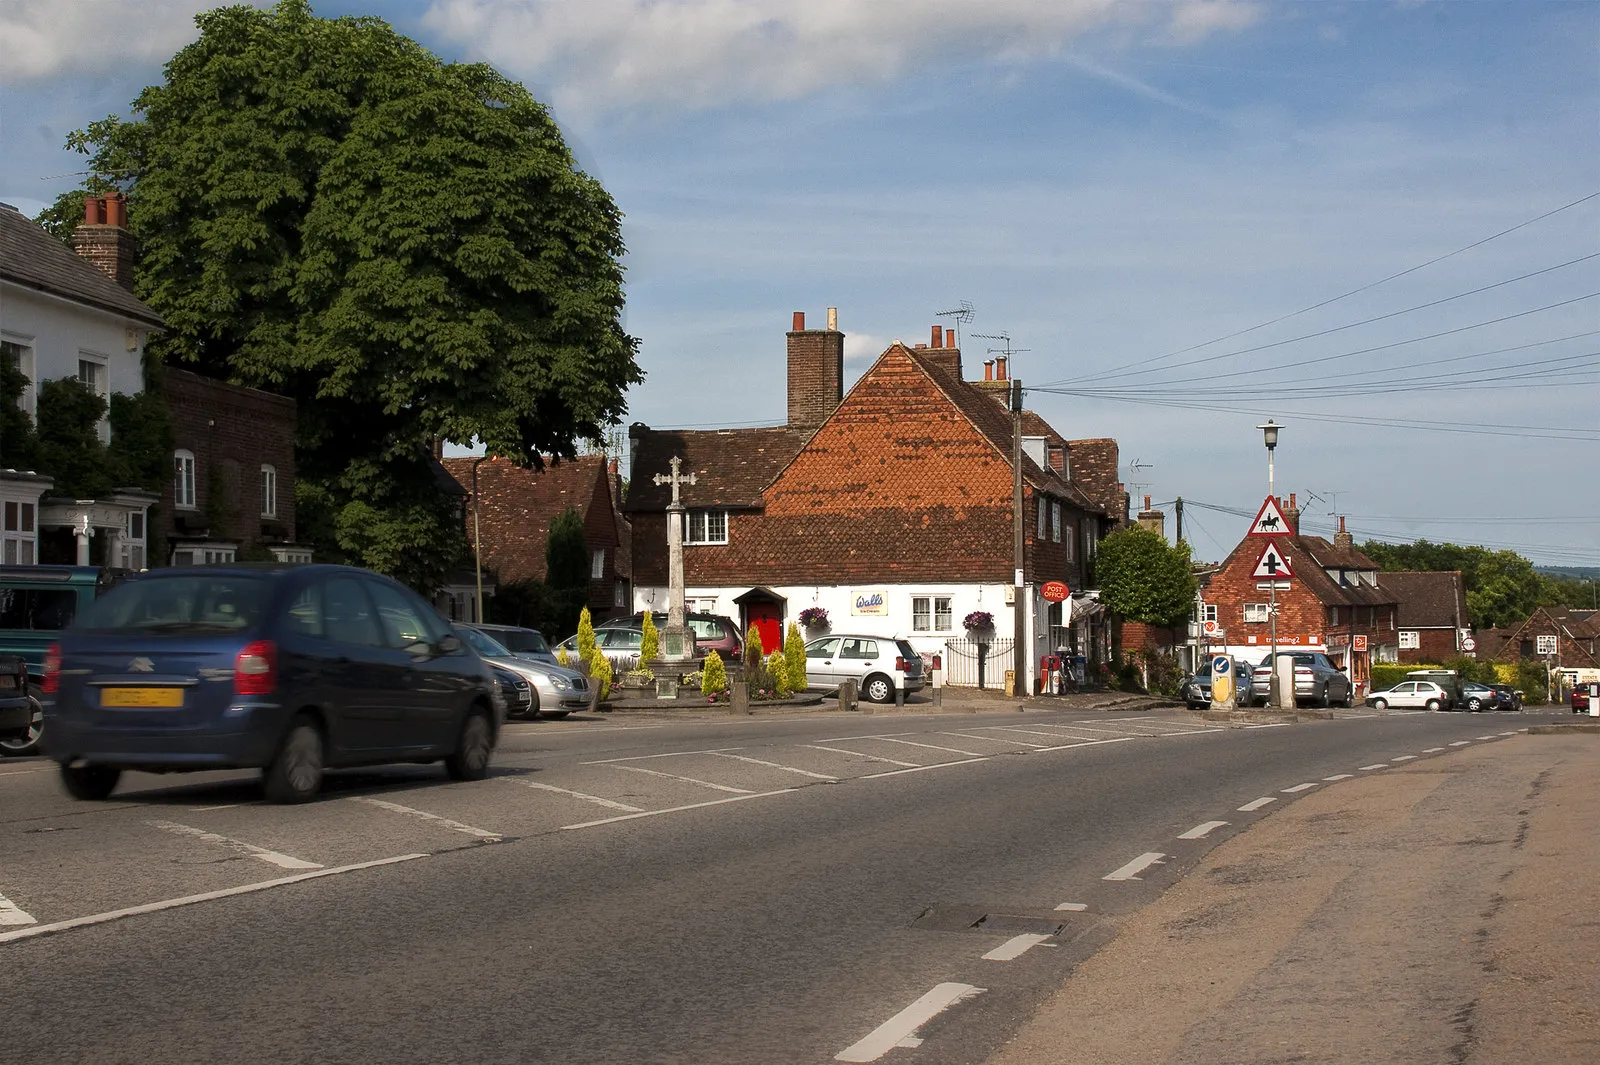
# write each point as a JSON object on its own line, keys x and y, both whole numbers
{"x": 287, "y": 669}
{"x": 36, "y": 603}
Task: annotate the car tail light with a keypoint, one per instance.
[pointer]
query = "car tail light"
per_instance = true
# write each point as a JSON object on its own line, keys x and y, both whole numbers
{"x": 899, "y": 664}
{"x": 255, "y": 671}
{"x": 52, "y": 669}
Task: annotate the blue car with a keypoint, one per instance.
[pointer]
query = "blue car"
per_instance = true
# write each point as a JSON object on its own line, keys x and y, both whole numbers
{"x": 287, "y": 669}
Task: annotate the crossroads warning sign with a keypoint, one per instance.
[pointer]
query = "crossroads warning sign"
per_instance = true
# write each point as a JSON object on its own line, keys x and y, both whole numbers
{"x": 1273, "y": 564}
{"x": 1270, "y": 521}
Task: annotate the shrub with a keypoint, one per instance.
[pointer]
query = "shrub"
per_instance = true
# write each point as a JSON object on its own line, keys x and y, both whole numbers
{"x": 753, "y": 649}
{"x": 794, "y": 655}
{"x": 562, "y": 658}
{"x": 641, "y": 673}
{"x": 585, "y": 635}
{"x": 650, "y": 641}
{"x": 714, "y": 675}
{"x": 693, "y": 680}
{"x": 1162, "y": 672}
{"x": 1533, "y": 679}
{"x": 600, "y": 670}
{"x": 778, "y": 669}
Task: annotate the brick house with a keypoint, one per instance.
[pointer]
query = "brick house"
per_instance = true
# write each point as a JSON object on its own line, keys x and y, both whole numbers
{"x": 1567, "y": 640}
{"x": 1335, "y": 603}
{"x": 517, "y": 504}
{"x": 1433, "y": 614}
{"x": 889, "y": 507}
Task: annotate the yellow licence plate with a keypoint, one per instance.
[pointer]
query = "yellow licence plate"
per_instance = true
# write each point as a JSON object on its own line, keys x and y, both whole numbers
{"x": 159, "y": 697}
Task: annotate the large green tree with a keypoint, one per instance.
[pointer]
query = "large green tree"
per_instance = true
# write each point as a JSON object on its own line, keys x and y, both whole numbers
{"x": 404, "y": 246}
{"x": 1502, "y": 587}
{"x": 1144, "y": 578}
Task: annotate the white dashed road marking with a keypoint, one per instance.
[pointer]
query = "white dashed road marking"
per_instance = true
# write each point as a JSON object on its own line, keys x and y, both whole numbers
{"x": 1015, "y": 947}
{"x": 282, "y": 861}
{"x": 609, "y": 804}
{"x": 900, "y": 1030}
{"x": 868, "y": 757}
{"x": 1432, "y": 750}
{"x": 1404, "y": 758}
{"x": 1203, "y": 830}
{"x": 1135, "y": 867}
{"x": 1513, "y": 733}
{"x": 1073, "y": 907}
{"x": 1299, "y": 787}
{"x": 1461, "y": 743}
{"x": 12, "y": 914}
{"x": 442, "y": 822}
{"x": 1488, "y": 737}
{"x": 1256, "y": 804}
{"x": 1375, "y": 765}
{"x": 686, "y": 780}
{"x": 1338, "y": 776}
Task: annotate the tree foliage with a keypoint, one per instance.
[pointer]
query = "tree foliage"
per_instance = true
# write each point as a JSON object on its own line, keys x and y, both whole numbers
{"x": 1502, "y": 587}
{"x": 566, "y": 555}
{"x": 649, "y": 640}
{"x": 794, "y": 656}
{"x": 1143, "y": 578}
{"x": 404, "y": 246}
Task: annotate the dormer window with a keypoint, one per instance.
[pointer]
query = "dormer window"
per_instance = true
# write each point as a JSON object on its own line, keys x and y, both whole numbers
{"x": 705, "y": 527}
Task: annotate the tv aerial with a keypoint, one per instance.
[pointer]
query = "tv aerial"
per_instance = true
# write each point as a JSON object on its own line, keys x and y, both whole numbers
{"x": 962, "y": 313}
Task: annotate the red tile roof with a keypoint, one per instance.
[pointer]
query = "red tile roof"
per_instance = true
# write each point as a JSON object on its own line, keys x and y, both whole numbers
{"x": 1428, "y": 600}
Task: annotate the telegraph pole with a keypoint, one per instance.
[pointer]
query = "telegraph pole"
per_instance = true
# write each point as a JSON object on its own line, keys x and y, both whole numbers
{"x": 1019, "y": 602}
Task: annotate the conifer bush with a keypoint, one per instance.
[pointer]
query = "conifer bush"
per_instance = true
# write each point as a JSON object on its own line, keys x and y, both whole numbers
{"x": 585, "y": 635}
{"x": 649, "y": 641}
{"x": 794, "y": 658}
{"x": 714, "y": 675}
{"x": 779, "y": 669}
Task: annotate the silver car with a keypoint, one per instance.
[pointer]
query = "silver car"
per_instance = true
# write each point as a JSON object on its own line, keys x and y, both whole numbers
{"x": 519, "y": 640}
{"x": 620, "y": 645}
{"x": 557, "y": 690}
{"x": 882, "y": 665}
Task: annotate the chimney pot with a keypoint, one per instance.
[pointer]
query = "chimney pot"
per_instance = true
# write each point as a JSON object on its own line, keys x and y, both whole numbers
{"x": 949, "y": 338}
{"x": 799, "y": 321}
{"x": 1000, "y": 368}
{"x": 1147, "y": 502}
{"x": 1341, "y": 523}
{"x": 116, "y": 211}
{"x": 988, "y": 369}
{"x": 833, "y": 319}
{"x": 938, "y": 337}
{"x": 93, "y": 210}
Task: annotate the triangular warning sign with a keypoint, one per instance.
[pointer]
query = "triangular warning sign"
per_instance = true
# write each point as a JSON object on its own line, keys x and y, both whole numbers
{"x": 1270, "y": 521}
{"x": 1272, "y": 565}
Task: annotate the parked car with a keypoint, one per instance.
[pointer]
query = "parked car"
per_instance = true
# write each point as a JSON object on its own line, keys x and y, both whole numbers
{"x": 881, "y": 665}
{"x": 36, "y": 603}
{"x": 712, "y": 632}
{"x": 520, "y": 641}
{"x": 1510, "y": 698}
{"x": 515, "y": 690}
{"x": 555, "y": 690}
{"x": 1196, "y": 690}
{"x": 16, "y": 703}
{"x": 1411, "y": 693}
{"x": 619, "y": 645}
{"x": 287, "y": 669}
{"x": 1316, "y": 680}
{"x": 1580, "y": 698}
{"x": 1480, "y": 697}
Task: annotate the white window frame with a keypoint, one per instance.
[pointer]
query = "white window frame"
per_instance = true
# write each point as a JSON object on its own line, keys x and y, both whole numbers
{"x": 936, "y": 611}
{"x": 1257, "y": 613}
{"x": 597, "y": 564}
{"x": 1546, "y": 644}
{"x": 292, "y": 555}
{"x": 701, "y": 527}
{"x": 21, "y": 532}
{"x": 1208, "y": 612}
{"x": 100, "y": 386}
{"x": 183, "y": 480}
{"x": 269, "y": 490}
{"x": 27, "y": 364}
{"x": 1410, "y": 640}
{"x": 135, "y": 530}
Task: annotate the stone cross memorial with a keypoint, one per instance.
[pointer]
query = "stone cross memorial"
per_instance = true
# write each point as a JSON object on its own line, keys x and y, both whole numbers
{"x": 676, "y": 646}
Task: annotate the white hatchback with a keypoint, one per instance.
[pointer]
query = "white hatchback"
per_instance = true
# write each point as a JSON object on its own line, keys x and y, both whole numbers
{"x": 1410, "y": 693}
{"x": 881, "y": 665}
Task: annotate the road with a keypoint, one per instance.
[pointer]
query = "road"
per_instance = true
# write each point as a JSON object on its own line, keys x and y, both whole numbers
{"x": 904, "y": 888}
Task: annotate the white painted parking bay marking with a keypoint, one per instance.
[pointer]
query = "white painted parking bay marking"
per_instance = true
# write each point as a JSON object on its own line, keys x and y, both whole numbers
{"x": 190, "y": 900}
{"x": 442, "y": 822}
{"x": 597, "y": 800}
{"x": 12, "y": 914}
{"x": 1135, "y": 867}
{"x": 994, "y": 739}
{"x": 1073, "y": 907}
{"x": 675, "y": 809}
{"x": 929, "y": 746}
{"x": 1083, "y": 743}
{"x": 1015, "y": 947}
{"x": 282, "y": 861}
{"x": 1201, "y": 831}
{"x": 900, "y": 1030}
{"x": 1298, "y": 787}
{"x": 686, "y": 780}
{"x": 664, "y": 754}
{"x": 774, "y": 765}
{"x": 1256, "y": 804}
{"x": 868, "y": 757}
{"x": 925, "y": 768}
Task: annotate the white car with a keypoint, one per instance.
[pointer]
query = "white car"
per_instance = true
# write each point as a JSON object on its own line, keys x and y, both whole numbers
{"x": 1410, "y": 693}
{"x": 881, "y": 665}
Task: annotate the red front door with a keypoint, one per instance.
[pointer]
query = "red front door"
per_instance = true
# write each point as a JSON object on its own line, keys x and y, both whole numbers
{"x": 768, "y": 620}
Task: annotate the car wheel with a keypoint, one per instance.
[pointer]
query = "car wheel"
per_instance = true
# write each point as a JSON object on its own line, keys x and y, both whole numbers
{"x": 471, "y": 758}
{"x": 1474, "y": 705}
{"x": 1435, "y": 705}
{"x": 22, "y": 746}
{"x": 877, "y": 689}
{"x": 92, "y": 783}
{"x": 295, "y": 773}
{"x": 1380, "y": 704}
{"x": 555, "y": 715}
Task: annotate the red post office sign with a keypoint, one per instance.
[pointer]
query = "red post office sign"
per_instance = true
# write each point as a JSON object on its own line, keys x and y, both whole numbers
{"x": 1054, "y": 591}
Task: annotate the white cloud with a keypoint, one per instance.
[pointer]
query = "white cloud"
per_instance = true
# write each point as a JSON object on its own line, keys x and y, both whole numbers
{"x": 863, "y": 347}
{"x": 50, "y": 37}
{"x": 604, "y": 54}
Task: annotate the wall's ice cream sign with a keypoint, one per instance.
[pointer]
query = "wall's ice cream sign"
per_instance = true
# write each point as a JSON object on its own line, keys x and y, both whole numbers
{"x": 873, "y": 603}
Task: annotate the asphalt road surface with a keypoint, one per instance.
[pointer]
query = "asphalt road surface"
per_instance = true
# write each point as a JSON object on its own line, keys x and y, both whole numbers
{"x": 900, "y": 888}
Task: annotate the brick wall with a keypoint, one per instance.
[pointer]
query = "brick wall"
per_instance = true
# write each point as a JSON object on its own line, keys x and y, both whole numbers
{"x": 1436, "y": 646}
{"x": 232, "y": 432}
{"x": 816, "y": 373}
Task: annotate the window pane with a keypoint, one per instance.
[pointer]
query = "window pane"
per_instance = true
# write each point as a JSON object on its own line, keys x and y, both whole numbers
{"x": 597, "y": 564}
{"x": 921, "y": 614}
{"x": 347, "y": 616}
{"x": 943, "y": 613}
{"x": 11, "y": 551}
{"x": 1041, "y": 518}
{"x": 304, "y": 616}
{"x": 717, "y": 526}
{"x": 177, "y": 604}
{"x": 402, "y": 623}
{"x": 825, "y": 648}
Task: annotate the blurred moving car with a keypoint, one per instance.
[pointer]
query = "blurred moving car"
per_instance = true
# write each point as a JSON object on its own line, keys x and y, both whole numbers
{"x": 881, "y": 665}
{"x": 1196, "y": 690}
{"x": 520, "y": 641}
{"x": 1411, "y": 693}
{"x": 36, "y": 603}
{"x": 291, "y": 670}
{"x": 16, "y": 704}
{"x": 515, "y": 690}
{"x": 712, "y": 632}
{"x": 1480, "y": 697}
{"x": 1316, "y": 680}
{"x": 555, "y": 691}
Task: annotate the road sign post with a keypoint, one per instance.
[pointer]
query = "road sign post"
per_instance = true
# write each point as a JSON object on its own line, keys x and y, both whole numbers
{"x": 1269, "y": 524}
{"x": 1223, "y": 694}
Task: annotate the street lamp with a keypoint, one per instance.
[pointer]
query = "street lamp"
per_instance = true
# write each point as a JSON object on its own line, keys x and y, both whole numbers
{"x": 1269, "y": 433}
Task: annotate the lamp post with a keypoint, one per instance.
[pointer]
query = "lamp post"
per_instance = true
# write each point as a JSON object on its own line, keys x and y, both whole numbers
{"x": 477, "y": 540}
{"x": 1269, "y": 433}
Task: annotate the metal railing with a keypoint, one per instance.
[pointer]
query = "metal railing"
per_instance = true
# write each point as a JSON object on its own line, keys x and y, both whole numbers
{"x": 970, "y": 664}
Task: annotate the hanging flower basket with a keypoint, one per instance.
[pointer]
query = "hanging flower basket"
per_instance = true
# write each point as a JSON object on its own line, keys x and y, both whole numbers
{"x": 813, "y": 617}
{"x": 979, "y": 621}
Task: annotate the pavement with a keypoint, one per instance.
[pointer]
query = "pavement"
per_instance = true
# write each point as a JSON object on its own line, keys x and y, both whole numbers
{"x": 1443, "y": 910}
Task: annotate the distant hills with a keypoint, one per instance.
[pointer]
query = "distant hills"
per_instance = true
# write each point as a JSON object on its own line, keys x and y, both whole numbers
{"x": 1581, "y": 573}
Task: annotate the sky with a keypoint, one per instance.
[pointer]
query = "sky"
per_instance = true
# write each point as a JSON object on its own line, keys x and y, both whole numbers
{"x": 1377, "y": 223}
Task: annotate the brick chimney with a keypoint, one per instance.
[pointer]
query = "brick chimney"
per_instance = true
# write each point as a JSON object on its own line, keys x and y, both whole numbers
{"x": 816, "y": 371}
{"x": 1343, "y": 538}
{"x": 943, "y": 353}
{"x": 1154, "y": 520}
{"x": 104, "y": 240}
{"x": 1291, "y": 515}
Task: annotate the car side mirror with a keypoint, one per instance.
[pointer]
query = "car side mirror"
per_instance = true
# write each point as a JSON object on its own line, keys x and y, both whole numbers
{"x": 449, "y": 643}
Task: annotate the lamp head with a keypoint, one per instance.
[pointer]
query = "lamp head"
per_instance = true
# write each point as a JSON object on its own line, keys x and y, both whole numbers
{"x": 1269, "y": 432}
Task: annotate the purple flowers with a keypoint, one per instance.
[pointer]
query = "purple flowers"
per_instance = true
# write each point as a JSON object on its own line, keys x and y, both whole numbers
{"x": 979, "y": 620}
{"x": 813, "y": 616}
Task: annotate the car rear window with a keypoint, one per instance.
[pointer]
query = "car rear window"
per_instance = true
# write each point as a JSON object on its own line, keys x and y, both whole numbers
{"x": 484, "y": 644}
{"x": 37, "y": 609}
{"x": 192, "y": 603}
{"x": 523, "y": 641}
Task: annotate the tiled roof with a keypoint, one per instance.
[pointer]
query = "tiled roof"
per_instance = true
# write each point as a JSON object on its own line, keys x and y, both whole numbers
{"x": 1428, "y": 600}
{"x": 1330, "y": 554}
{"x": 518, "y": 505}
{"x": 1305, "y": 555}
{"x": 1092, "y": 464}
{"x": 731, "y": 466}
{"x": 34, "y": 259}
{"x": 1583, "y": 624}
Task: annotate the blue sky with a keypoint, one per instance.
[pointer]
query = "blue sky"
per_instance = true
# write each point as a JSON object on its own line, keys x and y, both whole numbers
{"x": 1107, "y": 183}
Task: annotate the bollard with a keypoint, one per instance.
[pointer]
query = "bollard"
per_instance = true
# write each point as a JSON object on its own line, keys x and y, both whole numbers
{"x": 899, "y": 697}
{"x": 848, "y": 695}
{"x": 739, "y": 698}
